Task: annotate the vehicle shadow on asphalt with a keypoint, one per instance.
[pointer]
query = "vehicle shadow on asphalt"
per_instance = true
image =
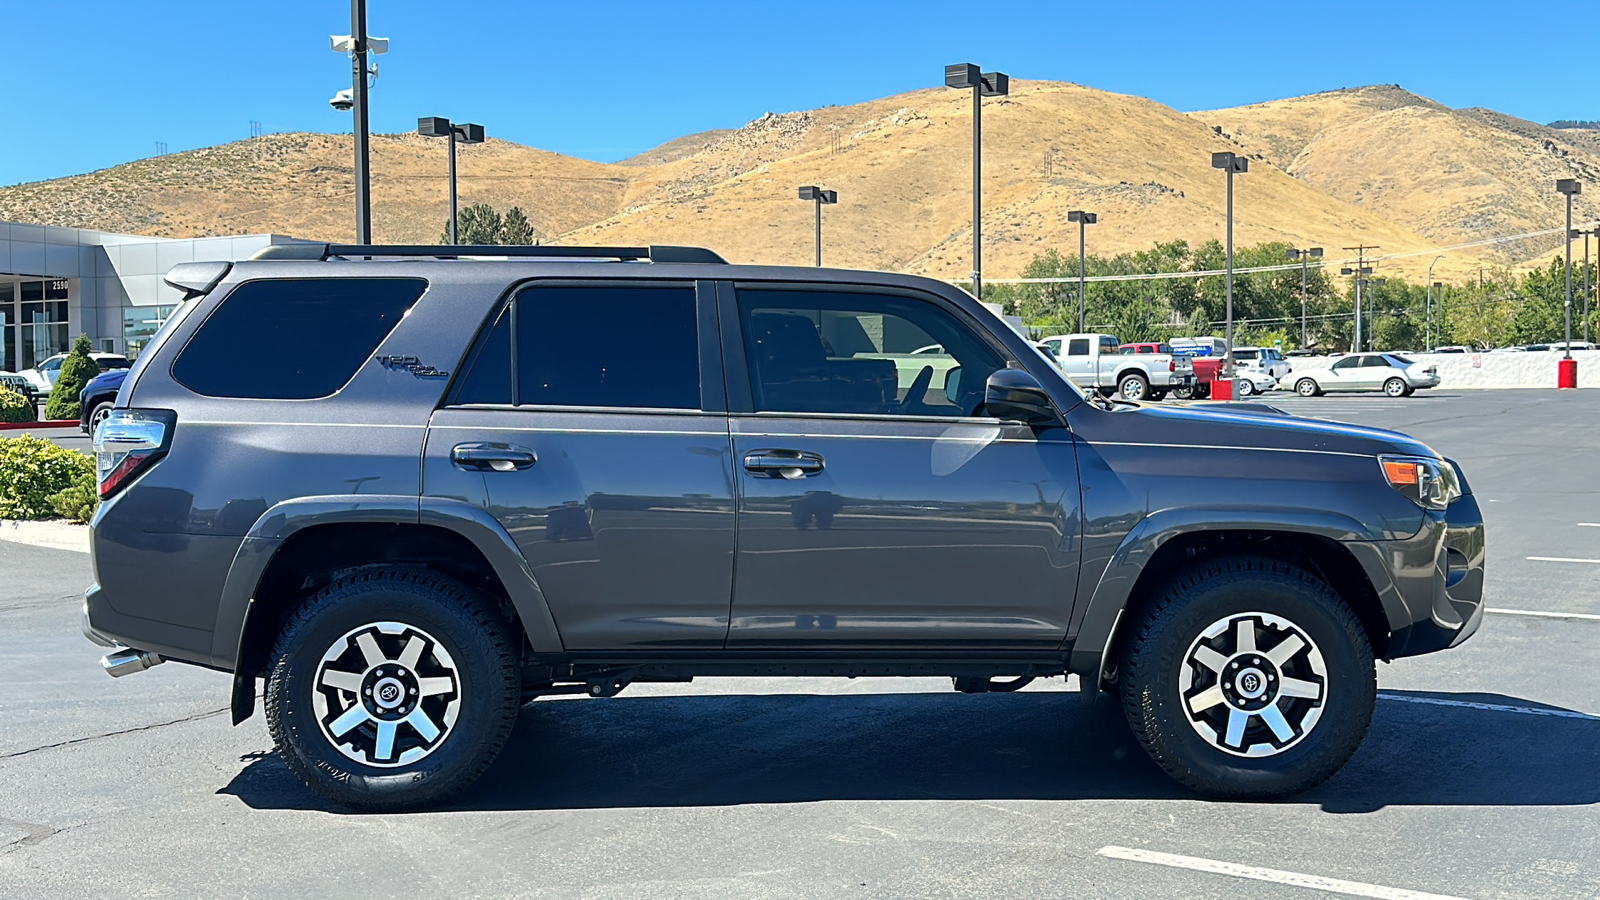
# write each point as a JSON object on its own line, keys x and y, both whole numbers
{"x": 730, "y": 750}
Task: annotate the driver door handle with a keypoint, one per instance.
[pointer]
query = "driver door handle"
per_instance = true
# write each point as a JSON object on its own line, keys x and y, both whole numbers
{"x": 492, "y": 457}
{"x": 789, "y": 464}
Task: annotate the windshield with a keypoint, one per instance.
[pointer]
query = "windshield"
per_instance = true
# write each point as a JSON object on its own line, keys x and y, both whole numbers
{"x": 1245, "y": 354}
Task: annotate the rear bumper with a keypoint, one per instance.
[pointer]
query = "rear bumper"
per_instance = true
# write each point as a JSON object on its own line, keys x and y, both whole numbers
{"x": 1431, "y": 584}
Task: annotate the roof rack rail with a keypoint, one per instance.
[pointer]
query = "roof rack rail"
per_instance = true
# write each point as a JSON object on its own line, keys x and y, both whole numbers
{"x": 656, "y": 253}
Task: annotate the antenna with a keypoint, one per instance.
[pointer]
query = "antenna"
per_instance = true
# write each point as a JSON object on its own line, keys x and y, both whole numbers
{"x": 161, "y": 148}
{"x": 255, "y": 129}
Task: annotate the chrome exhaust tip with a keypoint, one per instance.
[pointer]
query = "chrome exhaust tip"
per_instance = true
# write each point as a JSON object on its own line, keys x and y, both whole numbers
{"x": 128, "y": 661}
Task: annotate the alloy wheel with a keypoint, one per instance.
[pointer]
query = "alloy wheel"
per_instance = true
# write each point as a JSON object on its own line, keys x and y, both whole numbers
{"x": 1253, "y": 684}
{"x": 386, "y": 694}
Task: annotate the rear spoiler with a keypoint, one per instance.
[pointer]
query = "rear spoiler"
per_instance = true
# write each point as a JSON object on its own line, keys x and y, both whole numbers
{"x": 196, "y": 278}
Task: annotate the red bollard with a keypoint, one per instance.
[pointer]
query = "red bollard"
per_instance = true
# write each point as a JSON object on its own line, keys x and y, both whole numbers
{"x": 1567, "y": 374}
{"x": 1222, "y": 389}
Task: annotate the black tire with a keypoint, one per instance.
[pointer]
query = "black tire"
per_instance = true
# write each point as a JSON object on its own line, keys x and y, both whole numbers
{"x": 1158, "y": 657}
{"x": 98, "y": 414}
{"x": 1133, "y": 386}
{"x": 481, "y": 659}
{"x": 1158, "y": 395}
{"x": 1305, "y": 387}
{"x": 1183, "y": 393}
{"x": 1245, "y": 386}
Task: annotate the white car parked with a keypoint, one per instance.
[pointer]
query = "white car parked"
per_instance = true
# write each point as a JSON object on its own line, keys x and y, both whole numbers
{"x": 1249, "y": 382}
{"x": 1262, "y": 359}
{"x": 43, "y": 376}
{"x": 1390, "y": 373}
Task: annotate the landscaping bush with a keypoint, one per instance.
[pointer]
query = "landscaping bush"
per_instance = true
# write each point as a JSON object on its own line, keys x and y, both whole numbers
{"x": 76, "y": 370}
{"x": 78, "y": 501}
{"x": 16, "y": 408}
{"x": 32, "y": 470}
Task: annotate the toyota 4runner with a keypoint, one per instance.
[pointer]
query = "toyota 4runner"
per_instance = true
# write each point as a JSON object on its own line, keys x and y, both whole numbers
{"x": 454, "y": 491}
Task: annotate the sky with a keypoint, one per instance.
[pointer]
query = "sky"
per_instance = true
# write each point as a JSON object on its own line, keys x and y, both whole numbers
{"x": 91, "y": 84}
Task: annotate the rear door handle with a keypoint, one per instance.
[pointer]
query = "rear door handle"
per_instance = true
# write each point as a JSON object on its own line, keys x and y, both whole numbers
{"x": 783, "y": 463}
{"x": 492, "y": 457}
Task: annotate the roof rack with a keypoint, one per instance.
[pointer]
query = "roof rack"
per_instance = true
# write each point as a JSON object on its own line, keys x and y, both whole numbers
{"x": 655, "y": 254}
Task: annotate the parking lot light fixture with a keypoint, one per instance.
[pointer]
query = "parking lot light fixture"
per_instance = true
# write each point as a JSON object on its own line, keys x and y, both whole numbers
{"x": 1083, "y": 219}
{"x": 1233, "y": 164}
{"x": 1571, "y": 187}
{"x": 1427, "y": 345}
{"x": 464, "y": 133}
{"x": 819, "y": 196}
{"x": 966, "y": 76}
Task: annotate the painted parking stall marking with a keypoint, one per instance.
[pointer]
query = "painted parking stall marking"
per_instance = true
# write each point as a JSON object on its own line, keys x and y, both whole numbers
{"x": 1276, "y": 876}
{"x": 1565, "y": 559}
{"x": 1490, "y": 707}
{"x": 1540, "y": 614}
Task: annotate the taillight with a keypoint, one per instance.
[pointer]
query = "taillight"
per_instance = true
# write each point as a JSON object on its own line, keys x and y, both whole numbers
{"x": 127, "y": 442}
{"x": 1172, "y": 365}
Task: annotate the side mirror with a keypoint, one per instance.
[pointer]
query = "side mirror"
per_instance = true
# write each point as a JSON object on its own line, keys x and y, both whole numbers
{"x": 1014, "y": 394}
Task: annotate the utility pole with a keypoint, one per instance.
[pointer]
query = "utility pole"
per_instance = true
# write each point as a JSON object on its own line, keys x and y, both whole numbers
{"x": 1084, "y": 219}
{"x": 1360, "y": 270}
{"x": 1304, "y": 256}
{"x": 358, "y": 93}
{"x": 1428, "y": 343}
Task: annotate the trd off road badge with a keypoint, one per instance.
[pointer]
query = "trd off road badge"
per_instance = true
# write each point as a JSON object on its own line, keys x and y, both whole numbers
{"x": 410, "y": 364}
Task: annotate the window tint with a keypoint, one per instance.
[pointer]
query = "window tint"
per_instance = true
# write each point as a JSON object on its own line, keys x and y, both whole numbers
{"x": 1396, "y": 359}
{"x": 1078, "y": 347}
{"x": 487, "y": 378}
{"x": 1374, "y": 362}
{"x": 317, "y": 333}
{"x": 568, "y": 353}
{"x": 1244, "y": 354}
{"x": 839, "y": 352}
{"x": 1349, "y": 362}
{"x": 1108, "y": 345}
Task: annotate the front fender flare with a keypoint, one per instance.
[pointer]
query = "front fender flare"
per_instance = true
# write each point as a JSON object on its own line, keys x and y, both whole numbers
{"x": 1102, "y": 610}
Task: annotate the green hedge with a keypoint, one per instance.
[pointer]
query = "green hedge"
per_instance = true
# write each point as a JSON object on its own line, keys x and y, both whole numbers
{"x": 78, "y": 501}
{"x": 76, "y": 370}
{"x": 33, "y": 471}
{"x": 16, "y": 408}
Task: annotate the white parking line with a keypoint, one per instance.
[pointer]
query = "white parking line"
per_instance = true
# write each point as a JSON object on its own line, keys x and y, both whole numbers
{"x": 1491, "y": 707}
{"x": 1593, "y": 562}
{"x": 1276, "y": 876}
{"x": 1542, "y": 615}
{"x": 1589, "y": 524}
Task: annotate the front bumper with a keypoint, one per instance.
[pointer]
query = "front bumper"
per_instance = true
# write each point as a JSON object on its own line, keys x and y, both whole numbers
{"x": 1430, "y": 584}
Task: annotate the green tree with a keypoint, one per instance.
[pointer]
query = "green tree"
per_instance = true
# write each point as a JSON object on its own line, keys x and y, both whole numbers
{"x": 516, "y": 229}
{"x": 1541, "y": 317}
{"x": 76, "y": 370}
{"x": 476, "y": 224}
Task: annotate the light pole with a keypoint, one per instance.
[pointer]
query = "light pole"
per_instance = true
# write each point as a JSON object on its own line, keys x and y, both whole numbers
{"x": 357, "y": 44}
{"x": 820, "y": 196}
{"x": 1084, "y": 219}
{"x": 1232, "y": 164}
{"x": 465, "y": 133}
{"x": 983, "y": 84}
{"x": 1361, "y": 268}
{"x": 1427, "y": 344}
{"x": 1304, "y": 256}
{"x": 1571, "y": 187}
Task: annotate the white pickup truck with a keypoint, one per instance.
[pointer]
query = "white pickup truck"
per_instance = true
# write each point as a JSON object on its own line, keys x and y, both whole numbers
{"x": 1095, "y": 362}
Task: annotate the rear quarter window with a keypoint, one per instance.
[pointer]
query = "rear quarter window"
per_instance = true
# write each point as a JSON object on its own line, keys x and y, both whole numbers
{"x": 292, "y": 339}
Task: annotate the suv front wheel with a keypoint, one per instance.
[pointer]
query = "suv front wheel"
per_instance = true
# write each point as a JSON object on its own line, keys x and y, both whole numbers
{"x": 1246, "y": 677}
{"x": 392, "y": 688}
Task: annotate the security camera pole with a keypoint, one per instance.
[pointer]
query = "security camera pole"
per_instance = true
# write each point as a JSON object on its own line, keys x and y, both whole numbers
{"x": 1222, "y": 388}
{"x": 1304, "y": 256}
{"x": 358, "y": 91}
{"x": 1083, "y": 219}
{"x": 465, "y": 133}
{"x": 983, "y": 84}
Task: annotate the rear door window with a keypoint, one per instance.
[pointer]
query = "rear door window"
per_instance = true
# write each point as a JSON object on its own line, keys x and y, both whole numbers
{"x": 315, "y": 333}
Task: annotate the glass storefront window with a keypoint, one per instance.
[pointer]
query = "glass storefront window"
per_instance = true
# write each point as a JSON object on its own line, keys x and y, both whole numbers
{"x": 8, "y": 330}
{"x": 33, "y": 317}
{"x": 140, "y": 324}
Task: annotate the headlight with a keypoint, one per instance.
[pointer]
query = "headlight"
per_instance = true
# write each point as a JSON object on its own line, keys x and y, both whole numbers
{"x": 1430, "y": 483}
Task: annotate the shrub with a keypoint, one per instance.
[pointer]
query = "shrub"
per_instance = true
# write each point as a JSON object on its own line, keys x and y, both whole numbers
{"x": 16, "y": 408}
{"x": 76, "y": 370}
{"x": 32, "y": 470}
{"x": 78, "y": 501}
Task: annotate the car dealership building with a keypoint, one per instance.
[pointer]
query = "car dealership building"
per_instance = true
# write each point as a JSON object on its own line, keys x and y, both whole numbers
{"x": 57, "y": 283}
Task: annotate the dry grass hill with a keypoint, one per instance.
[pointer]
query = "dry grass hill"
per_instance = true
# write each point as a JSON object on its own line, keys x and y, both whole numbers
{"x": 1368, "y": 165}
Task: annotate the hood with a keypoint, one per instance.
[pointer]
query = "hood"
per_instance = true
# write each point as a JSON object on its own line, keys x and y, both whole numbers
{"x": 1257, "y": 425}
{"x": 104, "y": 381}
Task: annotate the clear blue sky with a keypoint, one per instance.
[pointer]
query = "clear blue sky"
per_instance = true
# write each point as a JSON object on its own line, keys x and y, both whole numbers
{"x": 90, "y": 84}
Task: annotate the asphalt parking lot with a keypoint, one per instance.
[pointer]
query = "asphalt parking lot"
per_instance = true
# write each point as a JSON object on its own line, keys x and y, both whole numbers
{"x": 1480, "y": 777}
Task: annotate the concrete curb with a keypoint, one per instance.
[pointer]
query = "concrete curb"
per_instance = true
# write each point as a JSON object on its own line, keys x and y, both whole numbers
{"x": 54, "y": 535}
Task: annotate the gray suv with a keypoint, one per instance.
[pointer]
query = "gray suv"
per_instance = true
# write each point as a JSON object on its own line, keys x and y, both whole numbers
{"x": 414, "y": 488}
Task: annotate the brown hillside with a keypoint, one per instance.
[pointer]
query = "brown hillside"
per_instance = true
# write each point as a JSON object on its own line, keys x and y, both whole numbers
{"x": 1452, "y": 176}
{"x": 901, "y": 166}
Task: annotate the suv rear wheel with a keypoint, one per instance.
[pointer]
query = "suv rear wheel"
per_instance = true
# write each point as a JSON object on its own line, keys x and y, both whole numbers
{"x": 1248, "y": 678}
{"x": 392, "y": 688}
